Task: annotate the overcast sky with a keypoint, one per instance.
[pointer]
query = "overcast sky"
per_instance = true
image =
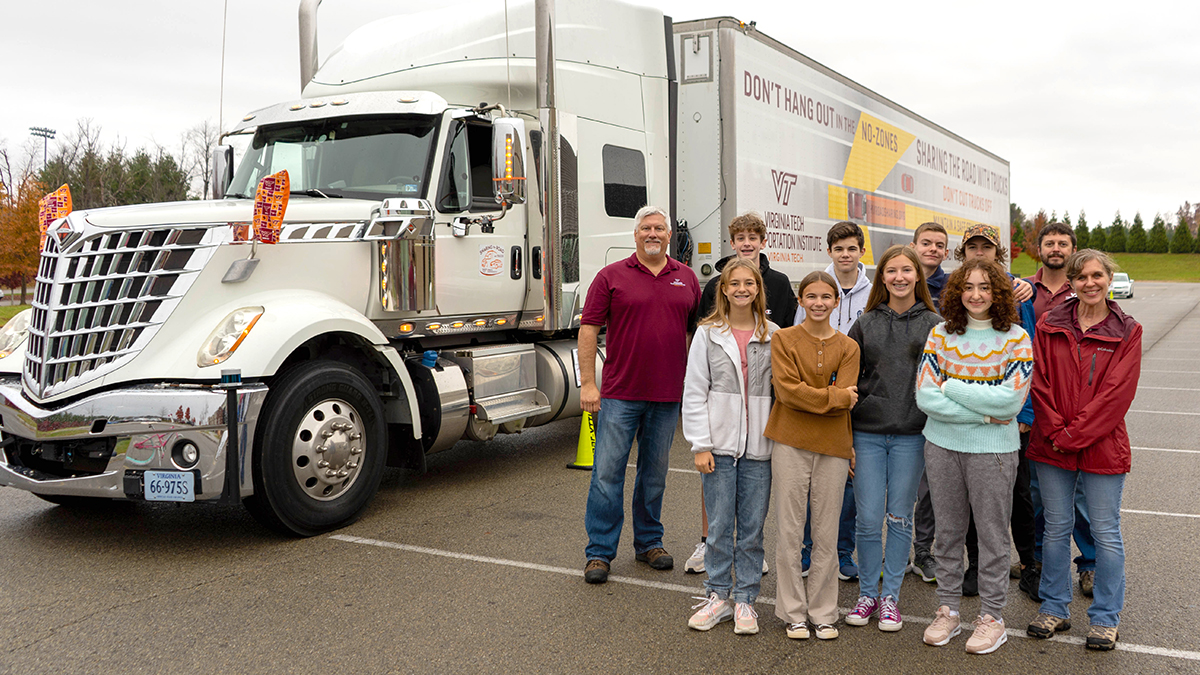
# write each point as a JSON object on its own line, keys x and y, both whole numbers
{"x": 1093, "y": 108}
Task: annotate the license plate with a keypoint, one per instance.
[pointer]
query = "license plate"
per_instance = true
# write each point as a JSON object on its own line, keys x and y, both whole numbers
{"x": 169, "y": 486}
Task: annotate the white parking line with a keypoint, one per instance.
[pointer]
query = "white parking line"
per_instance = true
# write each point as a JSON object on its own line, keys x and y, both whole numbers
{"x": 1173, "y": 372}
{"x": 1164, "y": 412}
{"x": 1168, "y": 388}
{"x": 1162, "y": 513}
{"x": 1194, "y": 452}
{"x": 699, "y": 591}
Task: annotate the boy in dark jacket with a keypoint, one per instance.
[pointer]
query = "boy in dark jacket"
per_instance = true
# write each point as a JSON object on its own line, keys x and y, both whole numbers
{"x": 748, "y": 235}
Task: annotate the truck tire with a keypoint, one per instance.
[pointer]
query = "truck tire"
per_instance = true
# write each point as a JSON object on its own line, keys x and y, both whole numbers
{"x": 319, "y": 451}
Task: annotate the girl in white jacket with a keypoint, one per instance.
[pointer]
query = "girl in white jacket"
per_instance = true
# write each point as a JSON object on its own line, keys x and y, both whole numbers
{"x": 726, "y": 402}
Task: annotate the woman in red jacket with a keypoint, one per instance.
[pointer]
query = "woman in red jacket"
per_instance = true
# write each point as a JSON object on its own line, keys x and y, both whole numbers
{"x": 1087, "y": 357}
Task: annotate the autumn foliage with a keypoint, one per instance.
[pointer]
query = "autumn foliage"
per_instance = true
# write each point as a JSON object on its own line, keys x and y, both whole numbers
{"x": 19, "y": 252}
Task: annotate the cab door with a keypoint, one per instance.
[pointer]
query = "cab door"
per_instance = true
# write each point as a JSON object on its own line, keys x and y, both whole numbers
{"x": 477, "y": 271}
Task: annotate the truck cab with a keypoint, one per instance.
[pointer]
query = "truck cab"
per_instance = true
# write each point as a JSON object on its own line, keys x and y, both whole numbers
{"x": 420, "y": 292}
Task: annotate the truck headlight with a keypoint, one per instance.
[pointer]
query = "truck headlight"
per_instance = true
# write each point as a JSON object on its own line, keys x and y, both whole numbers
{"x": 228, "y": 335}
{"x": 14, "y": 332}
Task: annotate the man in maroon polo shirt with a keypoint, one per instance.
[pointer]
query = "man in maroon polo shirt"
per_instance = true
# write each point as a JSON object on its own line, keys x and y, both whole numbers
{"x": 1056, "y": 243}
{"x": 649, "y": 302}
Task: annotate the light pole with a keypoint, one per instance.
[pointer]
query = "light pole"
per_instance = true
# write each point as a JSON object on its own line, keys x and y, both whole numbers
{"x": 47, "y": 136}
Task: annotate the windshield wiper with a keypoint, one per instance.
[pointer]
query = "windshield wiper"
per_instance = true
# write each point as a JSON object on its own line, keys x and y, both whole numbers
{"x": 236, "y": 195}
{"x": 313, "y": 192}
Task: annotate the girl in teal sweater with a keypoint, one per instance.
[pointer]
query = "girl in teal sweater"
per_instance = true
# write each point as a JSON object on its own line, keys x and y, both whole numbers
{"x": 972, "y": 381}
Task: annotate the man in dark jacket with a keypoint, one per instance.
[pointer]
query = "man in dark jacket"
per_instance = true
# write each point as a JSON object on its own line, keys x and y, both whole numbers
{"x": 748, "y": 235}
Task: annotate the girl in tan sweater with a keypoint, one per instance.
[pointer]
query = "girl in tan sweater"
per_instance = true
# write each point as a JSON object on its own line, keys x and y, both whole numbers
{"x": 815, "y": 374}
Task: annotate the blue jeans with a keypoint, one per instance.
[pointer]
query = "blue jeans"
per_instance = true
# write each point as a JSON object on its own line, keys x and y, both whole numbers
{"x": 846, "y": 526}
{"x": 1104, "y": 506}
{"x": 1086, "y": 560}
{"x": 617, "y": 423}
{"x": 736, "y": 490}
{"x": 887, "y": 471}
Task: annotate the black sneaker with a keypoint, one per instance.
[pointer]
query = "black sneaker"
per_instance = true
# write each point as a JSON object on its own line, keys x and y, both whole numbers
{"x": 656, "y": 558}
{"x": 596, "y": 571}
{"x": 924, "y": 565}
{"x": 1031, "y": 579}
{"x": 970, "y": 585}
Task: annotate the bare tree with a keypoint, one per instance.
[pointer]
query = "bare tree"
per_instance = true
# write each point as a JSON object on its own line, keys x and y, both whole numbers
{"x": 196, "y": 157}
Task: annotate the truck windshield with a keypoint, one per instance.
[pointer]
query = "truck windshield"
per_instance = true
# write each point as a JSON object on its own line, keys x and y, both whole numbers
{"x": 357, "y": 157}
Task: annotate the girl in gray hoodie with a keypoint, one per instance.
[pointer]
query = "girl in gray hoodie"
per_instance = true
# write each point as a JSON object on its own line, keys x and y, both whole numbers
{"x": 887, "y": 424}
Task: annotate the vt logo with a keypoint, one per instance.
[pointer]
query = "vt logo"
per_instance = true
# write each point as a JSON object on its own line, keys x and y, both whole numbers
{"x": 783, "y": 186}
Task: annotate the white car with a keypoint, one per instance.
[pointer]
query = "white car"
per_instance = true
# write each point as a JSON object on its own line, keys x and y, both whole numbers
{"x": 1122, "y": 286}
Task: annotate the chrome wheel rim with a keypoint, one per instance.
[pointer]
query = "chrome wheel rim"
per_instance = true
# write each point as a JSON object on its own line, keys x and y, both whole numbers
{"x": 327, "y": 449}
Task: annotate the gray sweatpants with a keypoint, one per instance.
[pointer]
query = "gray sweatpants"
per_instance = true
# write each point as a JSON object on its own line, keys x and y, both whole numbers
{"x": 962, "y": 483}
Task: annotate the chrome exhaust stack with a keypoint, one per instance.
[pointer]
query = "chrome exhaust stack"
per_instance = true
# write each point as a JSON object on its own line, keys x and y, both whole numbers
{"x": 551, "y": 180}
{"x": 308, "y": 42}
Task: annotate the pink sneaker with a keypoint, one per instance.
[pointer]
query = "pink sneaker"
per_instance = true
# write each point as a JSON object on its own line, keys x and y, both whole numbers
{"x": 713, "y": 610}
{"x": 745, "y": 619}
{"x": 863, "y": 611}
{"x": 988, "y": 636}
{"x": 890, "y": 620}
{"x": 944, "y": 627}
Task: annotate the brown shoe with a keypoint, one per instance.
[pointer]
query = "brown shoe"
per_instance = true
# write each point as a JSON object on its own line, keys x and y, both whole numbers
{"x": 1045, "y": 626}
{"x": 596, "y": 571}
{"x": 657, "y": 558}
{"x": 1102, "y": 638}
{"x": 1087, "y": 582}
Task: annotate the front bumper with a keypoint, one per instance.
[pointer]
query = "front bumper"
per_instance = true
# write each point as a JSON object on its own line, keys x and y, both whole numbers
{"x": 122, "y": 433}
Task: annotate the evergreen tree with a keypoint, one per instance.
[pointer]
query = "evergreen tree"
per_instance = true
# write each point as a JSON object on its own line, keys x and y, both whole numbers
{"x": 1017, "y": 234}
{"x": 1066, "y": 219}
{"x": 1081, "y": 231}
{"x": 1183, "y": 242}
{"x": 1136, "y": 243}
{"x": 1156, "y": 241}
{"x": 1116, "y": 235}
{"x": 1098, "y": 239}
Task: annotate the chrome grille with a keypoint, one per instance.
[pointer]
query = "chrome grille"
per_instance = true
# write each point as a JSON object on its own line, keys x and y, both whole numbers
{"x": 101, "y": 299}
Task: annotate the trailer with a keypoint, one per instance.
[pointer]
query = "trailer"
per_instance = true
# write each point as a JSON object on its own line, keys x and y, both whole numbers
{"x": 764, "y": 128}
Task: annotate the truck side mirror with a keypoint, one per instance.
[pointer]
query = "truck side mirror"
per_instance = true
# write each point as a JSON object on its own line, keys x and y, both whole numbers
{"x": 508, "y": 160}
{"x": 222, "y": 168}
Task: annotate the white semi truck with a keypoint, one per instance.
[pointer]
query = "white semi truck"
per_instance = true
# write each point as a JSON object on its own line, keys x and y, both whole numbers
{"x": 419, "y": 293}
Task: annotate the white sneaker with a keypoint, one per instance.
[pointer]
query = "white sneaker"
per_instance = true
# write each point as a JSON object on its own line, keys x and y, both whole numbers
{"x": 797, "y": 631}
{"x": 826, "y": 631}
{"x": 695, "y": 564}
{"x": 713, "y": 610}
{"x": 745, "y": 619}
{"x": 766, "y": 568}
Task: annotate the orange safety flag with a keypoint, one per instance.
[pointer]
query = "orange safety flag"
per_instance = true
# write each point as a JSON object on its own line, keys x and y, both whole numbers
{"x": 270, "y": 203}
{"x": 53, "y": 206}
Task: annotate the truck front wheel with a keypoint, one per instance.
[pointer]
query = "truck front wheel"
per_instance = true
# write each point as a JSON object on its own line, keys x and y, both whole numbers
{"x": 320, "y": 450}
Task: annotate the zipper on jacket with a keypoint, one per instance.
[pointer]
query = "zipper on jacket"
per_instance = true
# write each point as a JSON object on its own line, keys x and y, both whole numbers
{"x": 1093, "y": 371}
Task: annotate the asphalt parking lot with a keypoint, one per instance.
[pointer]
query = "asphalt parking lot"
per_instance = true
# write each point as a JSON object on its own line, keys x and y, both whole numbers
{"x": 476, "y": 566}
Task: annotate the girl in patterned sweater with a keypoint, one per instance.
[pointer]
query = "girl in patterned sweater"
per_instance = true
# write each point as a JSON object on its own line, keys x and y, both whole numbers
{"x": 972, "y": 382}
